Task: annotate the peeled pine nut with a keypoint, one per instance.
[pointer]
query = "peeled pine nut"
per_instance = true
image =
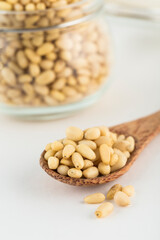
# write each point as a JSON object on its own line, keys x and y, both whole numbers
{"x": 121, "y": 145}
{"x": 104, "y": 210}
{"x": 75, "y": 173}
{"x": 56, "y": 146}
{"x": 131, "y": 140}
{"x": 58, "y": 154}
{"x": 48, "y": 154}
{"x": 104, "y": 131}
{"x": 121, "y": 137}
{"x": 127, "y": 154}
{"x": 86, "y": 151}
{"x": 114, "y": 159}
{"x": 77, "y": 160}
{"x": 104, "y": 153}
{"x": 45, "y": 49}
{"x": 92, "y": 133}
{"x": 112, "y": 191}
{"x": 45, "y": 77}
{"x": 67, "y": 162}
{"x": 87, "y": 164}
{"x": 121, "y": 199}
{"x": 91, "y": 172}
{"x": 68, "y": 151}
{"x": 53, "y": 162}
{"x": 94, "y": 198}
{"x": 70, "y": 142}
{"x": 63, "y": 170}
{"x": 48, "y": 147}
{"x": 122, "y": 159}
{"x": 74, "y": 133}
{"x": 104, "y": 140}
{"x": 103, "y": 168}
{"x": 90, "y": 144}
{"x": 9, "y": 76}
{"x": 129, "y": 190}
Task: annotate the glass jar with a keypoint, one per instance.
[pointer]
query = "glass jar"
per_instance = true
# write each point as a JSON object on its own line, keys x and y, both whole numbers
{"x": 53, "y": 62}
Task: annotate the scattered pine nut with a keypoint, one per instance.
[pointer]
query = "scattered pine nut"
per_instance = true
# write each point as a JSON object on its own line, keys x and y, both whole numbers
{"x": 129, "y": 190}
{"x": 94, "y": 198}
{"x": 104, "y": 210}
{"x": 121, "y": 199}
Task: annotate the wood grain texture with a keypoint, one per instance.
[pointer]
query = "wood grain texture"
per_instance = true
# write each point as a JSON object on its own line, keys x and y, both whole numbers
{"x": 143, "y": 130}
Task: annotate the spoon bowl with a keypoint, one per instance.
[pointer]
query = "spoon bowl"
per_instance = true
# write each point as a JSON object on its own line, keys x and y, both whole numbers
{"x": 143, "y": 130}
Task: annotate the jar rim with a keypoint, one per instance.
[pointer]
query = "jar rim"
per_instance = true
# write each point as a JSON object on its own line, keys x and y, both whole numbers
{"x": 72, "y": 5}
{"x": 88, "y": 9}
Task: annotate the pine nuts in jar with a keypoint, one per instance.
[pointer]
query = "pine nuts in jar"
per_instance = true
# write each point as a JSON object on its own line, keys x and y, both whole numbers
{"x": 50, "y": 49}
{"x": 78, "y": 157}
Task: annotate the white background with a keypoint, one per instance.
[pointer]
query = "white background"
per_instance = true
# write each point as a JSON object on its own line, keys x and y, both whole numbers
{"x": 34, "y": 206}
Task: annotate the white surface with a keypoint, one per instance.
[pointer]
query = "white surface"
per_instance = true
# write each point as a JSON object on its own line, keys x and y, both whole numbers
{"x": 34, "y": 206}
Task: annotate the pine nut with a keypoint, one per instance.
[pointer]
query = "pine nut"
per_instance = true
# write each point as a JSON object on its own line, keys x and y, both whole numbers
{"x": 56, "y": 146}
{"x": 104, "y": 140}
{"x": 34, "y": 70}
{"x": 92, "y": 134}
{"x": 74, "y": 173}
{"x": 86, "y": 151}
{"x": 74, "y": 133}
{"x": 87, "y": 164}
{"x": 104, "y": 210}
{"x": 122, "y": 159}
{"x": 104, "y": 131}
{"x": 66, "y": 162}
{"x": 104, "y": 153}
{"x": 22, "y": 60}
{"x": 114, "y": 159}
{"x": 48, "y": 147}
{"x": 129, "y": 190}
{"x": 45, "y": 78}
{"x": 121, "y": 145}
{"x": 77, "y": 160}
{"x": 63, "y": 170}
{"x": 103, "y": 168}
{"x": 131, "y": 147}
{"x": 91, "y": 172}
{"x": 49, "y": 154}
{"x": 121, "y": 199}
{"x": 94, "y": 198}
{"x": 112, "y": 191}
{"x": 9, "y": 76}
{"x": 70, "y": 142}
{"x": 68, "y": 151}
{"x": 32, "y": 56}
{"x": 53, "y": 162}
{"x": 89, "y": 143}
{"x": 59, "y": 154}
{"x": 25, "y": 78}
{"x": 45, "y": 49}
{"x": 41, "y": 90}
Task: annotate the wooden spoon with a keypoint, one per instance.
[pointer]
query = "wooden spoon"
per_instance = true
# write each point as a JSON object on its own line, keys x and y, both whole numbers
{"x": 143, "y": 130}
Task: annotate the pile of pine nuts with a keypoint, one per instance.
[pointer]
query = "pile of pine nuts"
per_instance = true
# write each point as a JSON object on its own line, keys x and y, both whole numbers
{"x": 50, "y": 67}
{"x": 90, "y": 153}
{"x": 117, "y": 192}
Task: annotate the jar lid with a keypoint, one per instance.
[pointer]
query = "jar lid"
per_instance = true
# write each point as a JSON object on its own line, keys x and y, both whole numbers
{"x": 145, "y": 9}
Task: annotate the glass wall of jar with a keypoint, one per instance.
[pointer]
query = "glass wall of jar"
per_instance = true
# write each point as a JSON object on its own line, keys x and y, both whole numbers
{"x": 54, "y": 59}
